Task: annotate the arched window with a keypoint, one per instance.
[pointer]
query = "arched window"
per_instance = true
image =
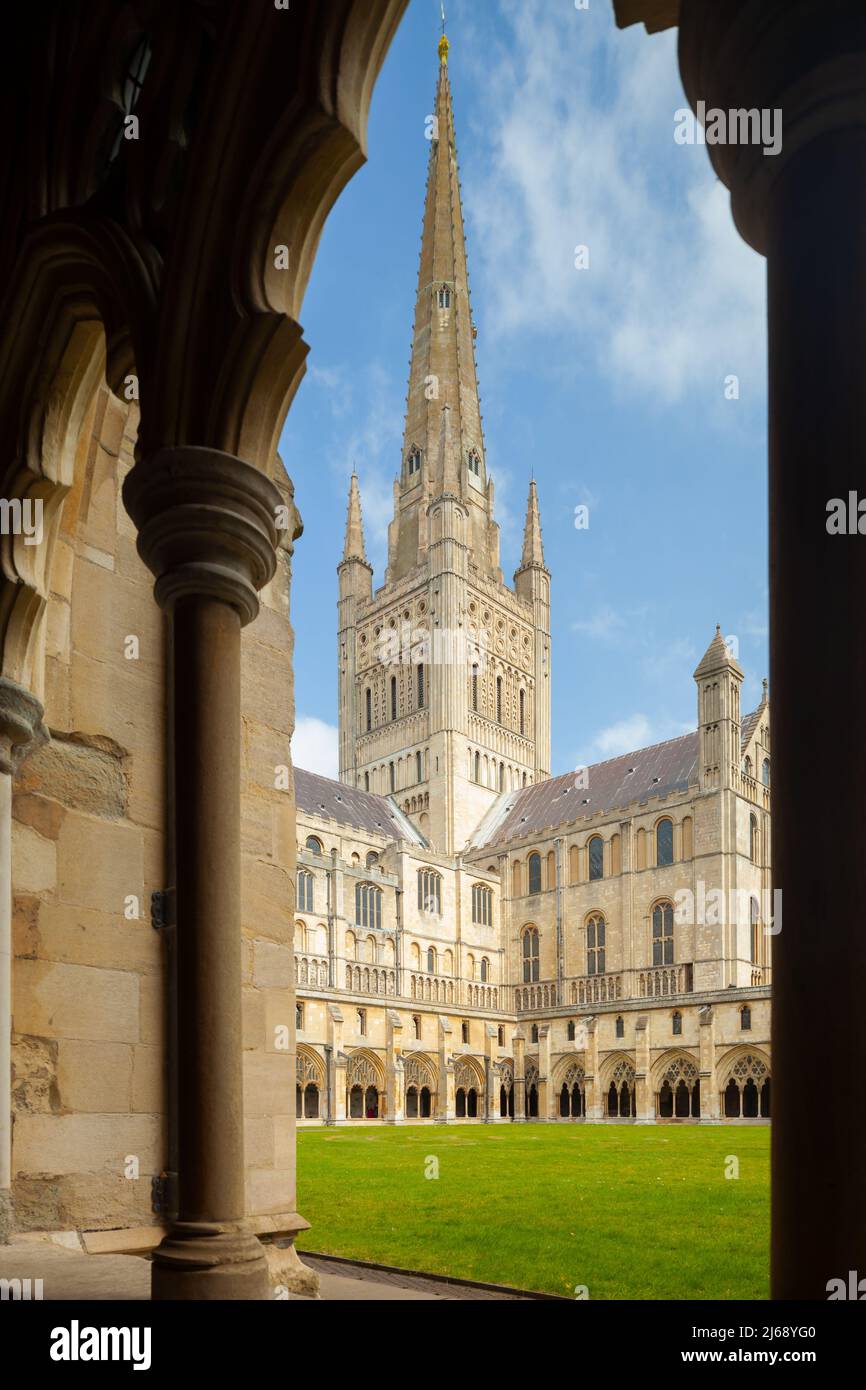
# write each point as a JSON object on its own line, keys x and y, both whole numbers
{"x": 429, "y": 892}
{"x": 569, "y": 1031}
{"x": 664, "y": 843}
{"x": 133, "y": 81}
{"x": 414, "y": 462}
{"x": 431, "y": 961}
{"x": 534, "y": 863}
{"x": 368, "y": 702}
{"x": 754, "y": 929}
{"x": 474, "y": 690}
{"x": 745, "y": 1018}
{"x": 305, "y": 890}
{"x": 482, "y": 904}
{"x": 663, "y": 934}
{"x": 765, "y": 772}
{"x": 677, "y": 1022}
{"x": 368, "y": 905}
{"x": 393, "y": 697}
{"x": 443, "y": 297}
{"x": 754, "y": 839}
{"x": 533, "y": 1033}
{"x": 474, "y": 464}
{"x": 485, "y": 970}
{"x": 313, "y": 845}
{"x": 477, "y": 767}
{"x": 366, "y": 781}
{"x": 416, "y": 1023}
{"x": 372, "y": 859}
{"x": 502, "y": 777}
{"x": 595, "y": 944}
{"x": 418, "y": 766}
{"x": 499, "y": 699}
{"x": 522, "y": 703}
{"x": 747, "y": 766}
{"x": 392, "y": 778}
{"x": 419, "y": 672}
{"x": 596, "y": 857}
{"x": 530, "y": 955}
{"x": 620, "y": 1027}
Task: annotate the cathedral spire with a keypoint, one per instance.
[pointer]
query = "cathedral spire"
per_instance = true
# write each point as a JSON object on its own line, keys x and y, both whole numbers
{"x": 533, "y": 549}
{"x": 442, "y": 368}
{"x": 353, "y": 546}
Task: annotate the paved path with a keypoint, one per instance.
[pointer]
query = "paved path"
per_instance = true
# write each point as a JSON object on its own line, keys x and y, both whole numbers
{"x": 69, "y": 1274}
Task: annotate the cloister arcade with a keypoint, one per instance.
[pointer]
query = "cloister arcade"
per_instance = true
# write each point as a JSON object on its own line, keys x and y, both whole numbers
{"x": 415, "y": 1089}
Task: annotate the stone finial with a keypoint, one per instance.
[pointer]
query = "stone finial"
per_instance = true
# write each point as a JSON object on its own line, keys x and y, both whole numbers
{"x": 533, "y": 549}
{"x": 353, "y": 546}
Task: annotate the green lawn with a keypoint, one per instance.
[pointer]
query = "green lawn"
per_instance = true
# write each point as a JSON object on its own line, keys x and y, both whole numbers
{"x": 630, "y": 1212}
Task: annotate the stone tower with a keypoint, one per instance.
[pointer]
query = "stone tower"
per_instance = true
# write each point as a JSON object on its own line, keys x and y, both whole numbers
{"x": 445, "y": 670}
{"x": 719, "y": 678}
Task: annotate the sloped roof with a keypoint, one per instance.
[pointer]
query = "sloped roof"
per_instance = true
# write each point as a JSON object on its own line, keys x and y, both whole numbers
{"x": 379, "y": 815}
{"x": 654, "y": 771}
{"x": 748, "y": 726}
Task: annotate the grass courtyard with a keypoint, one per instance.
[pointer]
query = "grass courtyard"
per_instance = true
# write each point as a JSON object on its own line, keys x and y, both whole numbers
{"x": 638, "y": 1212}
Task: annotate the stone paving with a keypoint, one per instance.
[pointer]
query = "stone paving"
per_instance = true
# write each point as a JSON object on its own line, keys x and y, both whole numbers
{"x": 70, "y": 1274}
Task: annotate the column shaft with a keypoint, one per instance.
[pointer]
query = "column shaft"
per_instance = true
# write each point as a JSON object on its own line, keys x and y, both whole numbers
{"x": 817, "y": 342}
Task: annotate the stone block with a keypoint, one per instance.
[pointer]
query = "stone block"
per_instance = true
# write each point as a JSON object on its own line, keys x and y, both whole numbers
{"x": 94, "y": 1077}
{"x": 73, "y": 1001}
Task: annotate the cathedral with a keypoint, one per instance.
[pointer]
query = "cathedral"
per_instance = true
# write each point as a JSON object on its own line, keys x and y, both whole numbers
{"x": 477, "y": 940}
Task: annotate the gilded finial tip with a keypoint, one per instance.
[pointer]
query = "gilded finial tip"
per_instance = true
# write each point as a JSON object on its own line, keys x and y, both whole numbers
{"x": 443, "y": 49}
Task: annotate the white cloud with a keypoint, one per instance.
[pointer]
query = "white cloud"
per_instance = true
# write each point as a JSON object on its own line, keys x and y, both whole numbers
{"x": 371, "y": 446}
{"x": 604, "y": 624}
{"x": 581, "y": 151}
{"x": 631, "y": 734}
{"x": 315, "y": 746}
{"x": 624, "y": 736}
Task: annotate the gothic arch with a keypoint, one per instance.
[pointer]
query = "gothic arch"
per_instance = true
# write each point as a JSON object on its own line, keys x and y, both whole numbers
{"x": 676, "y": 1085}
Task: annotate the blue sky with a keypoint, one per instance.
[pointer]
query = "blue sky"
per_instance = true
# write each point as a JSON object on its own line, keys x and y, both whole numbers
{"x": 609, "y": 381}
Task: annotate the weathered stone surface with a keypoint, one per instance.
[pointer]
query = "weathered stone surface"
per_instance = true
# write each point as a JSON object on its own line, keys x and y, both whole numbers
{"x": 85, "y": 773}
{"x": 286, "y": 1271}
{"x": 42, "y": 815}
{"x": 35, "y": 1088}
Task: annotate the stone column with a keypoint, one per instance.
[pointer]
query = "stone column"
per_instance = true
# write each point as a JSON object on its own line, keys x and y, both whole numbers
{"x": 709, "y": 1083}
{"x": 21, "y": 732}
{"x": 207, "y": 530}
{"x": 643, "y": 1091}
{"x": 544, "y": 1072}
{"x": 394, "y": 1084}
{"x": 519, "y": 1075}
{"x": 805, "y": 209}
{"x": 445, "y": 1105}
{"x": 338, "y": 1064}
{"x": 594, "y": 1107}
{"x": 490, "y": 1109}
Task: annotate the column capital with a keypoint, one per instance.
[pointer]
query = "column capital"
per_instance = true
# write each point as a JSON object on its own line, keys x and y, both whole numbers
{"x": 805, "y": 61}
{"x": 207, "y": 526}
{"x": 21, "y": 727}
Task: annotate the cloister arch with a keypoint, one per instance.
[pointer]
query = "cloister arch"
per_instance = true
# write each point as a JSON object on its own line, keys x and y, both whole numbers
{"x": 420, "y": 1086}
{"x": 309, "y": 1083}
{"x": 743, "y": 1076}
{"x": 468, "y": 1089}
{"x": 617, "y": 1085}
{"x": 677, "y": 1086}
{"x": 365, "y": 1086}
{"x": 569, "y": 1087}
